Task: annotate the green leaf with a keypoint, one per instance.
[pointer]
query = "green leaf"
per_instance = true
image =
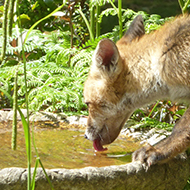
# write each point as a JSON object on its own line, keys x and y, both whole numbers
{"x": 7, "y": 94}
{"x": 35, "y": 5}
{"x": 180, "y": 112}
{"x": 23, "y": 16}
{"x": 107, "y": 12}
{"x": 1, "y": 9}
{"x": 26, "y": 134}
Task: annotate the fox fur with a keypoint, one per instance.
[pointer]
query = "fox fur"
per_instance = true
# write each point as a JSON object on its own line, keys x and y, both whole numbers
{"x": 139, "y": 69}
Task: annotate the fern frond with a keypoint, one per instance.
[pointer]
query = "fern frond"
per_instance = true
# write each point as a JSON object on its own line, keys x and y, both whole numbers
{"x": 93, "y": 43}
{"x": 98, "y": 2}
{"x": 81, "y": 59}
{"x": 107, "y": 12}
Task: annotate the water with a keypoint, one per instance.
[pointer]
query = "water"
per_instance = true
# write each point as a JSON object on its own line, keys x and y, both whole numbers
{"x": 63, "y": 148}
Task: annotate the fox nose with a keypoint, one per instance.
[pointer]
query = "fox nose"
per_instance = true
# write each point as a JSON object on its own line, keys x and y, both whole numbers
{"x": 85, "y": 136}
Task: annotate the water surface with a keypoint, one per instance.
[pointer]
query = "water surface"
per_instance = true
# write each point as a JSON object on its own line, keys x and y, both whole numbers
{"x": 63, "y": 148}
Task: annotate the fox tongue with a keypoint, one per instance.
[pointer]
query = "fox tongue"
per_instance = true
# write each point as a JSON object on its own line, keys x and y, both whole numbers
{"x": 97, "y": 145}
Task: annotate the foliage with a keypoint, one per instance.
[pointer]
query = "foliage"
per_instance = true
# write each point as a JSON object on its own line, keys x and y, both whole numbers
{"x": 163, "y": 114}
{"x": 31, "y": 11}
{"x": 56, "y": 71}
{"x": 151, "y": 22}
{"x": 51, "y": 84}
{"x": 33, "y": 47}
{"x": 25, "y": 122}
{"x": 148, "y": 123}
{"x": 184, "y": 5}
{"x": 162, "y": 111}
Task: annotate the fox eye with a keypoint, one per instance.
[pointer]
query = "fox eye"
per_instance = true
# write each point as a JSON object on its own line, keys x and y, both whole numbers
{"x": 103, "y": 106}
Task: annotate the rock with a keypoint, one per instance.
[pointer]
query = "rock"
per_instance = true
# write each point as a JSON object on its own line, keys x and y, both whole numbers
{"x": 47, "y": 116}
{"x": 10, "y": 114}
{"x": 78, "y": 120}
{"x": 170, "y": 176}
{"x": 152, "y": 136}
{"x": 135, "y": 135}
{"x": 155, "y": 139}
{"x": 3, "y": 115}
{"x": 150, "y": 132}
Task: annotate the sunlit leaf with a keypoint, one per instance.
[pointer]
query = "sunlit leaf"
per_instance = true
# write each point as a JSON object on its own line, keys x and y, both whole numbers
{"x": 59, "y": 13}
{"x": 35, "y": 5}
{"x": 23, "y": 16}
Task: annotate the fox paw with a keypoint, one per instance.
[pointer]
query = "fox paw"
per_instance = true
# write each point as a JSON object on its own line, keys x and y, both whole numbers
{"x": 148, "y": 155}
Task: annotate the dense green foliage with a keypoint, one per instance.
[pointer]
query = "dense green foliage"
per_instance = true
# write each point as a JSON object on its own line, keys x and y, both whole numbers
{"x": 55, "y": 71}
{"x": 58, "y": 61}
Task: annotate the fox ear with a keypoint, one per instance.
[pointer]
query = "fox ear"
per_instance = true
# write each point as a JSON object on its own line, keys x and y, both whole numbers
{"x": 106, "y": 55}
{"x": 136, "y": 29}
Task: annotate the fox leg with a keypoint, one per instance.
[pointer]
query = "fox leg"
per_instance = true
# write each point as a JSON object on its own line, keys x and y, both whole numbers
{"x": 176, "y": 143}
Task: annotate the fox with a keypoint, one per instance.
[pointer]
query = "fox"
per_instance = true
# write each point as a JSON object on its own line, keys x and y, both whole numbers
{"x": 136, "y": 71}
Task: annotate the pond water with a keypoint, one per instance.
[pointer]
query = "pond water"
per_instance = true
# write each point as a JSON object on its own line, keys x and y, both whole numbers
{"x": 63, "y": 148}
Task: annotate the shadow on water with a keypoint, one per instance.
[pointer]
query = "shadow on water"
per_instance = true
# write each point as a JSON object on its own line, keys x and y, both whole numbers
{"x": 64, "y": 148}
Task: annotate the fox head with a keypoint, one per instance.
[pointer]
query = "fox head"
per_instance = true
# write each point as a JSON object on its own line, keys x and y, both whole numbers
{"x": 106, "y": 87}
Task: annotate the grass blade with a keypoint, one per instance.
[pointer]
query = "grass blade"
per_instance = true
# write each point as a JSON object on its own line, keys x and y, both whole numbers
{"x": 26, "y": 132}
{"x": 37, "y": 162}
{"x": 87, "y": 24}
{"x": 36, "y": 23}
{"x": 46, "y": 175}
{"x": 34, "y": 173}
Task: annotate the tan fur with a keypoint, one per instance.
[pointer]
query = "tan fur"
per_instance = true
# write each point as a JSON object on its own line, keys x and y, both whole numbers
{"x": 137, "y": 71}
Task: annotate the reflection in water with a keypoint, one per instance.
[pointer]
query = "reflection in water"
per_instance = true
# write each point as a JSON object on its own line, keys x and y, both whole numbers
{"x": 63, "y": 149}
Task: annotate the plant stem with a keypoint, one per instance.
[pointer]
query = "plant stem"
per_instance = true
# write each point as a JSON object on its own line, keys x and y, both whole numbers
{"x": 15, "y": 97}
{"x": 120, "y": 18}
{"x": 184, "y": 6}
{"x": 97, "y": 23}
{"x": 46, "y": 175}
{"x": 153, "y": 108}
{"x": 10, "y": 16}
{"x": 113, "y": 5}
{"x": 71, "y": 40}
{"x": 87, "y": 23}
{"x": 26, "y": 123}
{"x": 71, "y": 28}
{"x": 4, "y": 26}
{"x": 119, "y": 13}
{"x": 14, "y": 124}
{"x": 184, "y": 10}
{"x": 92, "y": 19}
{"x": 181, "y": 4}
{"x": 46, "y": 17}
{"x": 37, "y": 163}
{"x": 27, "y": 111}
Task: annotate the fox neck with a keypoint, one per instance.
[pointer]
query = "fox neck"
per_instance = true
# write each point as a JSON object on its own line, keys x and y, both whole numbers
{"x": 145, "y": 83}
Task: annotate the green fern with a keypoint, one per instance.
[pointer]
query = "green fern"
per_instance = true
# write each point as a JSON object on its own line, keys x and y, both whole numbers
{"x": 52, "y": 85}
{"x": 98, "y": 2}
{"x": 91, "y": 44}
